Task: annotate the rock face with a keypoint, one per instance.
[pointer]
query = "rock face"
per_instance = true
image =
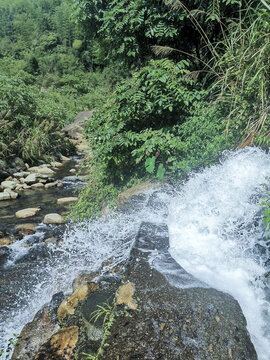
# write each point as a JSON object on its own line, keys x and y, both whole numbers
{"x": 53, "y": 219}
{"x": 174, "y": 318}
{"x": 22, "y": 214}
{"x": 159, "y": 311}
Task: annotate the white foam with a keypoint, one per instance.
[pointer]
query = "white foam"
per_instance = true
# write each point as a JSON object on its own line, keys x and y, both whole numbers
{"x": 213, "y": 234}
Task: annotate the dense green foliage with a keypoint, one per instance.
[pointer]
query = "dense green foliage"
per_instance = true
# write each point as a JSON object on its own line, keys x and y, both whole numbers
{"x": 147, "y": 119}
{"x": 174, "y": 83}
{"x": 28, "y": 125}
{"x": 173, "y": 115}
{"x": 43, "y": 62}
{"x": 124, "y": 30}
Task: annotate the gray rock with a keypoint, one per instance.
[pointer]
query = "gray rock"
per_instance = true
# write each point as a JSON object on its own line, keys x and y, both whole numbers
{"x": 4, "y": 196}
{"x": 3, "y": 165}
{"x": 53, "y": 219}
{"x": 18, "y": 164}
{"x": 31, "y": 179}
{"x": 50, "y": 185}
{"x": 21, "y": 174}
{"x": 37, "y": 186}
{"x": 44, "y": 176}
{"x": 21, "y": 187}
{"x": 74, "y": 178}
{"x": 9, "y": 184}
{"x": 13, "y": 195}
{"x": 41, "y": 170}
{"x": 56, "y": 164}
{"x": 34, "y": 334}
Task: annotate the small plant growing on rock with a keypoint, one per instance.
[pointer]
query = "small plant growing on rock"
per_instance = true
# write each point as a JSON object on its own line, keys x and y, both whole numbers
{"x": 104, "y": 310}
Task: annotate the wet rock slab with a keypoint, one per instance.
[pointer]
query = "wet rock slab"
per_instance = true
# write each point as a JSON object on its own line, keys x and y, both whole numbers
{"x": 175, "y": 316}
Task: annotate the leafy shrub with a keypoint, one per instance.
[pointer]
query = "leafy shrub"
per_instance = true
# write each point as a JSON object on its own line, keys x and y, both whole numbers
{"x": 154, "y": 122}
{"x": 30, "y": 121}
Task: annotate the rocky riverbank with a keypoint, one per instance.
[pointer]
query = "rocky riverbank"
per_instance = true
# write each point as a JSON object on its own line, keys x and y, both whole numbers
{"x": 42, "y": 193}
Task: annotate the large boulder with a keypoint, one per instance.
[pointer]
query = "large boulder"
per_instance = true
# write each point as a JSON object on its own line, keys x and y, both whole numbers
{"x": 165, "y": 313}
{"x": 18, "y": 164}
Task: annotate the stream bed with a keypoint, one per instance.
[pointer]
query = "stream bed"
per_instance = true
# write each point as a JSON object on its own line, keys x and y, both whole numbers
{"x": 216, "y": 234}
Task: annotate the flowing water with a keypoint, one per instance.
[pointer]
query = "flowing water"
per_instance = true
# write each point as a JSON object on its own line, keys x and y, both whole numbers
{"x": 216, "y": 234}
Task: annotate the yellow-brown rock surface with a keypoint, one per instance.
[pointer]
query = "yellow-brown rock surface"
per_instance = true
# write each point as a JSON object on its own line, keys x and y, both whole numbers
{"x": 68, "y": 305}
{"x": 60, "y": 346}
{"x": 125, "y": 296}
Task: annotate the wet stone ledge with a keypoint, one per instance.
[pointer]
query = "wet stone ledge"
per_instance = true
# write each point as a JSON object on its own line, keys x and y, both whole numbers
{"x": 173, "y": 319}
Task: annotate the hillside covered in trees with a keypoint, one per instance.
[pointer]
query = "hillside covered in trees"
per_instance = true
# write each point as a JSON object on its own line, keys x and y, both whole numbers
{"x": 172, "y": 83}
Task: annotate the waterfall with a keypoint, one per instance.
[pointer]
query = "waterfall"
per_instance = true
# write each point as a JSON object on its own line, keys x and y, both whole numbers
{"x": 216, "y": 234}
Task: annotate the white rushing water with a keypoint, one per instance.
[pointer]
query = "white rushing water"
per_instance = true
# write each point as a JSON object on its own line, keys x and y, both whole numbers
{"x": 217, "y": 235}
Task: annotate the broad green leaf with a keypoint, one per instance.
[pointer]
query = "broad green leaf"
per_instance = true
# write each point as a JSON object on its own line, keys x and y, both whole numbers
{"x": 150, "y": 164}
